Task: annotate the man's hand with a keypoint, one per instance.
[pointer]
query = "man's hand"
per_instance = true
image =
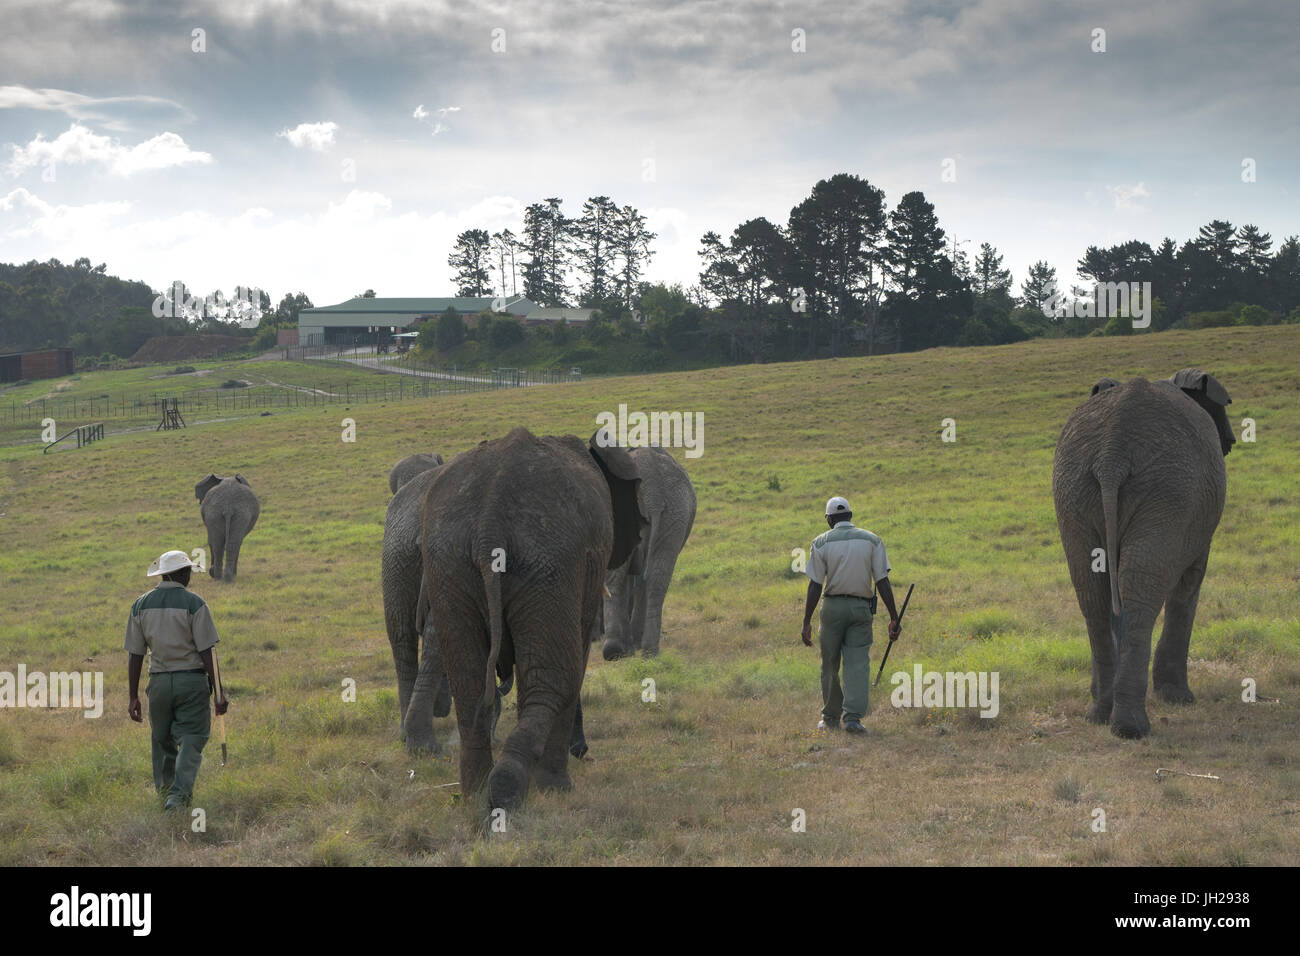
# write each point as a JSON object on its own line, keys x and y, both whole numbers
{"x": 134, "y": 710}
{"x": 221, "y": 706}
{"x": 807, "y": 633}
{"x": 894, "y": 628}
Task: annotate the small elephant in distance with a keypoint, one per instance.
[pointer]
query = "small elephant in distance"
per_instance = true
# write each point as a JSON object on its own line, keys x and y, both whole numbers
{"x": 409, "y": 467}
{"x": 229, "y": 509}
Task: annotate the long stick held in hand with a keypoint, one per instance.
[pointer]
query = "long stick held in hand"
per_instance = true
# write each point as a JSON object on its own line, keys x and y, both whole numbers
{"x": 219, "y": 694}
{"x": 890, "y": 645}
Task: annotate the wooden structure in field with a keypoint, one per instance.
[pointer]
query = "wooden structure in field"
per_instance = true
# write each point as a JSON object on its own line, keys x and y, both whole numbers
{"x": 171, "y": 409}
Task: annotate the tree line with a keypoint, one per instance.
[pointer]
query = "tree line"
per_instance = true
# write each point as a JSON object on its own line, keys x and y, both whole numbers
{"x": 103, "y": 318}
{"x": 595, "y": 259}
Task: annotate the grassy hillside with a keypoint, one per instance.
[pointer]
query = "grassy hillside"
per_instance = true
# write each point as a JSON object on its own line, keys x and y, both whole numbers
{"x": 712, "y": 770}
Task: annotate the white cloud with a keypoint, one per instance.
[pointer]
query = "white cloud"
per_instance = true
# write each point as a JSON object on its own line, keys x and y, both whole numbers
{"x": 420, "y": 112}
{"x": 52, "y": 223}
{"x": 448, "y": 109}
{"x": 313, "y": 136}
{"x": 79, "y": 106}
{"x": 79, "y": 144}
{"x": 439, "y": 128}
{"x": 1126, "y": 197}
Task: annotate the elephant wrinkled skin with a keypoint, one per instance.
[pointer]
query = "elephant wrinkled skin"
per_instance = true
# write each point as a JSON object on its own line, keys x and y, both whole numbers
{"x": 1139, "y": 480}
{"x": 517, "y": 535}
{"x": 229, "y": 510}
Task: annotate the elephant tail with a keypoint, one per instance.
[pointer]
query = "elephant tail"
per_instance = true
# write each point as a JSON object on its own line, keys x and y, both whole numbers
{"x": 1110, "y": 511}
{"x": 492, "y": 586}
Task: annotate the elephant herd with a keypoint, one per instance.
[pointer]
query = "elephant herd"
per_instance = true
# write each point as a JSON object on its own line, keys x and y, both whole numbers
{"x": 501, "y": 566}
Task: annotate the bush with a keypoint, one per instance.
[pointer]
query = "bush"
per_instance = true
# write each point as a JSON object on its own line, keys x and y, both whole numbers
{"x": 1255, "y": 315}
{"x": 505, "y": 333}
{"x": 1118, "y": 325}
{"x": 181, "y": 370}
{"x": 234, "y": 383}
{"x": 450, "y": 332}
{"x": 1211, "y": 320}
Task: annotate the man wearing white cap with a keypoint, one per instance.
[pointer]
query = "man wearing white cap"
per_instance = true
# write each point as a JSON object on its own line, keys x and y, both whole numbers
{"x": 849, "y": 566}
{"x": 175, "y": 626}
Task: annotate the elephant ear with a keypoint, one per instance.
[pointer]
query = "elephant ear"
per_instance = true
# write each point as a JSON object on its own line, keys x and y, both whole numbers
{"x": 624, "y": 494}
{"x": 1193, "y": 380}
{"x": 1206, "y": 390}
{"x": 242, "y": 480}
{"x": 1103, "y": 384}
{"x": 206, "y": 485}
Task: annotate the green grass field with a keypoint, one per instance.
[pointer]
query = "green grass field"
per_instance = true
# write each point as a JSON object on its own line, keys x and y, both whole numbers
{"x": 714, "y": 768}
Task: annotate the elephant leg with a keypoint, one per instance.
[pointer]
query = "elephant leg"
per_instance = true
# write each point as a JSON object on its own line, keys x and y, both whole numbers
{"x": 463, "y": 643}
{"x": 216, "y": 546}
{"x": 426, "y": 697}
{"x": 618, "y": 641}
{"x": 637, "y": 614}
{"x": 508, "y": 781}
{"x": 233, "y": 541}
{"x": 552, "y": 771}
{"x": 1169, "y": 669}
{"x": 577, "y": 739}
{"x": 1092, "y": 588}
{"x": 1128, "y": 717}
{"x": 658, "y": 575}
{"x": 236, "y": 528}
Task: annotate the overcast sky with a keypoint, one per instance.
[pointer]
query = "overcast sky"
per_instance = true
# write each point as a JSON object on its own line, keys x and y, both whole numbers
{"x": 331, "y": 147}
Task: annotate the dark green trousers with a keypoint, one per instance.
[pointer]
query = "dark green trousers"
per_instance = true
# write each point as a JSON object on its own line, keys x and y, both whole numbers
{"x": 179, "y": 719}
{"x": 845, "y": 638}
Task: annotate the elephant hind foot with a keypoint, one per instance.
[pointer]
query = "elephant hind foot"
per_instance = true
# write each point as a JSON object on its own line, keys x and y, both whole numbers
{"x": 1099, "y": 712}
{"x": 1173, "y": 693}
{"x": 422, "y": 742}
{"x": 552, "y": 780}
{"x": 1132, "y": 725}
{"x": 613, "y": 652}
{"x": 507, "y": 784}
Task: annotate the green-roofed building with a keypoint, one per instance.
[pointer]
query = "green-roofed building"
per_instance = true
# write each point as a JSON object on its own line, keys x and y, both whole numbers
{"x": 364, "y": 321}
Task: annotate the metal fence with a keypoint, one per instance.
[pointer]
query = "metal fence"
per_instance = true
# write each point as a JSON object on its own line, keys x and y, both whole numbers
{"x": 407, "y": 380}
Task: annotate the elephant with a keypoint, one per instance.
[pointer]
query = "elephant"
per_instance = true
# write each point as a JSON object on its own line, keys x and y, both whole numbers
{"x": 1139, "y": 484}
{"x": 229, "y": 509}
{"x": 517, "y": 536}
{"x": 634, "y": 608}
{"x": 419, "y": 674}
{"x": 409, "y": 467}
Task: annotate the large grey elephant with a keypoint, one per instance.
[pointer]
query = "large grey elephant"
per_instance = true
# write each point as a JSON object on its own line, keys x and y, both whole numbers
{"x": 634, "y": 608}
{"x": 517, "y": 536}
{"x": 419, "y": 672}
{"x": 1139, "y": 484}
{"x": 229, "y": 509}
{"x": 409, "y": 467}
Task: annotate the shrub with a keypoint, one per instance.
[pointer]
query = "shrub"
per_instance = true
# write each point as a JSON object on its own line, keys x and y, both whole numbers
{"x": 181, "y": 370}
{"x": 234, "y": 383}
{"x": 505, "y": 333}
{"x": 1255, "y": 315}
{"x": 450, "y": 331}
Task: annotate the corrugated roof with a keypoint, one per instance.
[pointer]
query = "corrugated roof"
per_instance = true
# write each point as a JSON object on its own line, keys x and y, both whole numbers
{"x": 408, "y": 306}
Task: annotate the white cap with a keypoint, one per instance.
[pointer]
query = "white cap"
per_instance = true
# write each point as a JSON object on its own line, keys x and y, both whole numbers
{"x": 168, "y": 562}
{"x": 837, "y": 505}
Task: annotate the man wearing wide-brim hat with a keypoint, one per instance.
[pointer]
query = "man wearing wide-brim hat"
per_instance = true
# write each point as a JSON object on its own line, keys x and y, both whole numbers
{"x": 175, "y": 626}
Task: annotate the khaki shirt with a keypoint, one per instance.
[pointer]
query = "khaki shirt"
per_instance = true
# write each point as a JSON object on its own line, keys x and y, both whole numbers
{"x": 848, "y": 561}
{"x": 173, "y": 624}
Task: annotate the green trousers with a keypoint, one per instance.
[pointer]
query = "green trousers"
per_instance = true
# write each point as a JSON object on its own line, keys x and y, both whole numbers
{"x": 179, "y": 719}
{"x": 846, "y": 637}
